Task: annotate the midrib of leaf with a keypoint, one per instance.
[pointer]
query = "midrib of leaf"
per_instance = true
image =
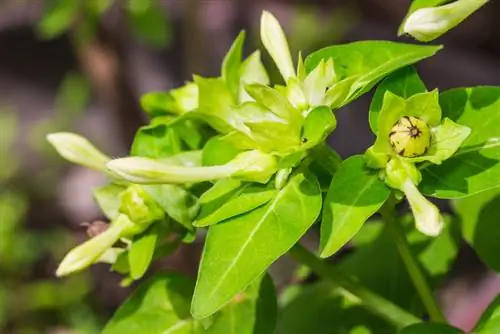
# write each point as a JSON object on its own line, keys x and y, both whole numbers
{"x": 367, "y": 78}
{"x": 180, "y": 324}
{"x": 351, "y": 207}
{"x": 245, "y": 244}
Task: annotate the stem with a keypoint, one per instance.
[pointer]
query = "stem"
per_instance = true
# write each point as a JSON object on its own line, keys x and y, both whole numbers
{"x": 354, "y": 291}
{"x": 419, "y": 281}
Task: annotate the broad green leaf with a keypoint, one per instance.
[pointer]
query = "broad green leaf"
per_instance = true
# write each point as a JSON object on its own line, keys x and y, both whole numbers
{"x": 231, "y": 66}
{"x": 475, "y": 166}
{"x": 253, "y": 311}
{"x": 151, "y": 25}
{"x": 319, "y": 123}
{"x": 58, "y": 16}
{"x": 220, "y": 189}
{"x": 156, "y": 141}
{"x": 489, "y": 323}
{"x": 320, "y": 308}
{"x": 403, "y": 83}
{"x": 141, "y": 252}
{"x": 229, "y": 262}
{"x": 249, "y": 198}
{"x": 369, "y": 61}
{"x": 430, "y": 328}
{"x": 218, "y": 151}
{"x": 379, "y": 267}
{"x": 355, "y": 194}
{"x": 158, "y": 306}
{"x": 177, "y": 202}
{"x": 479, "y": 218}
{"x": 108, "y": 199}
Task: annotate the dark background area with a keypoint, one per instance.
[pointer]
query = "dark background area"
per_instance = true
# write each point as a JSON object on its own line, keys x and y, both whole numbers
{"x": 54, "y": 197}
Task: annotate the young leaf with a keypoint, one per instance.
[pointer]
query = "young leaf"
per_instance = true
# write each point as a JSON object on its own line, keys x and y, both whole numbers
{"x": 231, "y": 66}
{"x": 489, "y": 323}
{"x": 355, "y": 194}
{"x": 229, "y": 261}
{"x": 253, "y": 311}
{"x": 475, "y": 166}
{"x": 158, "y": 306}
{"x": 252, "y": 71}
{"x": 430, "y": 328}
{"x": 156, "y": 141}
{"x": 218, "y": 151}
{"x": 240, "y": 203}
{"x": 108, "y": 199}
{"x": 177, "y": 102}
{"x": 479, "y": 217}
{"x": 369, "y": 61}
{"x": 319, "y": 123}
{"x": 141, "y": 252}
{"x": 403, "y": 83}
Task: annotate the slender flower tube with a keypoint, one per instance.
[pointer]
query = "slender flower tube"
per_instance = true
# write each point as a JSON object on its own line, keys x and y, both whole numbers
{"x": 78, "y": 150}
{"x": 249, "y": 166}
{"x": 427, "y": 24}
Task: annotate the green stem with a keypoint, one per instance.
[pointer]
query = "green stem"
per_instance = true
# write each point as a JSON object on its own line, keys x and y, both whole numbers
{"x": 389, "y": 216}
{"x": 354, "y": 291}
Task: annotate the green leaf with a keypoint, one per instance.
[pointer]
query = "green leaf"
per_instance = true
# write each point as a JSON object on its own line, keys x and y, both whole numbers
{"x": 319, "y": 123}
{"x": 150, "y": 24}
{"x": 379, "y": 267}
{"x": 218, "y": 151}
{"x": 177, "y": 101}
{"x": 229, "y": 261}
{"x": 108, "y": 199}
{"x": 158, "y": 306}
{"x": 319, "y": 308}
{"x": 178, "y": 203}
{"x": 141, "y": 252}
{"x": 243, "y": 201}
{"x": 430, "y": 328}
{"x": 156, "y": 141}
{"x": 403, "y": 83}
{"x": 369, "y": 61}
{"x": 219, "y": 190}
{"x": 355, "y": 194}
{"x": 475, "y": 166}
{"x": 58, "y": 16}
{"x": 253, "y": 311}
{"x": 489, "y": 323}
{"x": 231, "y": 66}
{"x": 479, "y": 218}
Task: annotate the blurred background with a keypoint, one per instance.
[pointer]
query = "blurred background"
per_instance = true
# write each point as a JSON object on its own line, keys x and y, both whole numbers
{"x": 82, "y": 65}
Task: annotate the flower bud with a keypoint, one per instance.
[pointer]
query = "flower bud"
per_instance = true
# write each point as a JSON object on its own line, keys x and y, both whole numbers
{"x": 93, "y": 249}
{"x": 275, "y": 42}
{"x": 427, "y": 24}
{"x": 410, "y": 137}
{"x": 254, "y": 166}
{"x": 78, "y": 150}
{"x": 428, "y": 219}
{"x": 141, "y": 209}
